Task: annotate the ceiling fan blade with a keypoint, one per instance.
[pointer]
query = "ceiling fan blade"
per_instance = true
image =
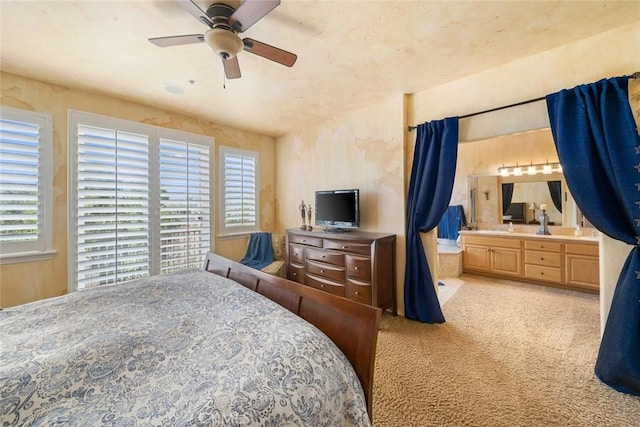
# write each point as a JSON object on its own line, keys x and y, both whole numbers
{"x": 250, "y": 12}
{"x": 270, "y": 52}
{"x": 195, "y": 11}
{"x": 177, "y": 40}
{"x": 231, "y": 68}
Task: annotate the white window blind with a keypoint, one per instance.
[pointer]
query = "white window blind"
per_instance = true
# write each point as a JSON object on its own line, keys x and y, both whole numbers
{"x": 25, "y": 184}
{"x": 112, "y": 206}
{"x": 140, "y": 200}
{"x": 239, "y": 191}
{"x": 184, "y": 205}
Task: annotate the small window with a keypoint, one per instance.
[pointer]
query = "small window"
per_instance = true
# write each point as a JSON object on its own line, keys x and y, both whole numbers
{"x": 239, "y": 195}
{"x": 25, "y": 185}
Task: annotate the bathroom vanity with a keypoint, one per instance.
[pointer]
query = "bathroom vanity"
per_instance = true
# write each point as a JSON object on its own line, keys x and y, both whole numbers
{"x": 556, "y": 260}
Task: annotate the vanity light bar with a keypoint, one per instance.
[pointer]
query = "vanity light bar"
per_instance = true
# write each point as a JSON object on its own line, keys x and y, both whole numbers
{"x": 532, "y": 169}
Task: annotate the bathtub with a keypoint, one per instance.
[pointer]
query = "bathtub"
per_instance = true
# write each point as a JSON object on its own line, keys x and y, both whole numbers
{"x": 449, "y": 258}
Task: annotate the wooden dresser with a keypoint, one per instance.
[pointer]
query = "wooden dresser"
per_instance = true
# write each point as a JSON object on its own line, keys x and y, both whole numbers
{"x": 356, "y": 265}
{"x": 554, "y": 260}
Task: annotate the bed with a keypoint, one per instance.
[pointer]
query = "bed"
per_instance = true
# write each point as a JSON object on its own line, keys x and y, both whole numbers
{"x": 190, "y": 348}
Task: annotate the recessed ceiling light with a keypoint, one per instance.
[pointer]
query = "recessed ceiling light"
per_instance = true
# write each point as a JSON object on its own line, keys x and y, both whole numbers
{"x": 176, "y": 90}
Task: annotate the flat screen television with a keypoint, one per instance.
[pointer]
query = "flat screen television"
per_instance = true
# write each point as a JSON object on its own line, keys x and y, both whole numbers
{"x": 338, "y": 210}
{"x": 515, "y": 212}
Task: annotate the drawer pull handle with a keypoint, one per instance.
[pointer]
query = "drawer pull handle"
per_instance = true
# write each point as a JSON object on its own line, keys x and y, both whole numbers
{"x": 357, "y": 292}
{"x": 295, "y": 274}
{"x": 322, "y": 286}
{"x": 304, "y": 240}
{"x": 323, "y": 256}
{"x": 541, "y": 258}
{"x": 542, "y": 273}
{"x": 356, "y": 268}
{"x": 345, "y": 247}
{"x": 321, "y": 271}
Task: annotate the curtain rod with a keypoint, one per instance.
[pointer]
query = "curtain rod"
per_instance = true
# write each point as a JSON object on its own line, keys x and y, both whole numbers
{"x": 529, "y": 101}
{"x": 635, "y": 75}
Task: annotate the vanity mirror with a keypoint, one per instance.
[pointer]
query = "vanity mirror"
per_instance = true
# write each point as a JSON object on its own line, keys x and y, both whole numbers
{"x": 495, "y": 199}
{"x": 527, "y": 161}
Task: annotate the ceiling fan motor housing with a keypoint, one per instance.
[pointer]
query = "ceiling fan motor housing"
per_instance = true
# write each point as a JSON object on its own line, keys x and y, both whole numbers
{"x": 225, "y": 22}
{"x": 224, "y": 43}
{"x": 222, "y": 38}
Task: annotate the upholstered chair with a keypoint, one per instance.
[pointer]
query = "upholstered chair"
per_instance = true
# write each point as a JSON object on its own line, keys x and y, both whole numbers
{"x": 277, "y": 267}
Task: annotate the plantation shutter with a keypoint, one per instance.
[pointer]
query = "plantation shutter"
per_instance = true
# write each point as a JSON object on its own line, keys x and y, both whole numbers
{"x": 112, "y": 206}
{"x": 184, "y": 205}
{"x": 20, "y": 198}
{"x": 240, "y": 201}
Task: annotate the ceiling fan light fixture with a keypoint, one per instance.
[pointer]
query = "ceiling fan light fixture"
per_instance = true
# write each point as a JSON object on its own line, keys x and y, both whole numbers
{"x": 226, "y": 44}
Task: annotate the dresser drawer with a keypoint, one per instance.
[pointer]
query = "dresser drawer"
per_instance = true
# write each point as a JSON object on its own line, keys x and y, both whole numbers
{"x": 550, "y": 259}
{"x": 296, "y": 273}
{"x": 326, "y": 256}
{"x": 296, "y": 254}
{"x": 358, "y": 267}
{"x": 326, "y": 270}
{"x": 325, "y": 285}
{"x": 547, "y": 274}
{"x": 346, "y": 246}
{"x": 305, "y": 240}
{"x": 358, "y": 291}
{"x": 535, "y": 245}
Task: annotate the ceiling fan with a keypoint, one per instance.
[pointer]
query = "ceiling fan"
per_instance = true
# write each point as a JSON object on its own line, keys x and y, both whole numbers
{"x": 224, "y": 24}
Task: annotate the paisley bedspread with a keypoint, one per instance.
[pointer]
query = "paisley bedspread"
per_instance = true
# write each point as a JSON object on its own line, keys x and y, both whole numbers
{"x": 191, "y": 348}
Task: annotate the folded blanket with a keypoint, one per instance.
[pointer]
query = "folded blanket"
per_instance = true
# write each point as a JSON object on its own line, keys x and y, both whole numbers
{"x": 259, "y": 252}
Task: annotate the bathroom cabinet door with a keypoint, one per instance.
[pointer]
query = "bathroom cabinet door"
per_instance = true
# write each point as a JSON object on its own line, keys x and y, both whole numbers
{"x": 501, "y": 256}
{"x": 506, "y": 261}
{"x": 476, "y": 258}
{"x": 582, "y": 266}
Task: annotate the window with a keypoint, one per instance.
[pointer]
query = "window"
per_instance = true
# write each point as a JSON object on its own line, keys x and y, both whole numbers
{"x": 25, "y": 185}
{"x": 112, "y": 206}
{"x": 239, "y": 196}
{"x": 140, "y": 200}
{"x": 185, "y": 214}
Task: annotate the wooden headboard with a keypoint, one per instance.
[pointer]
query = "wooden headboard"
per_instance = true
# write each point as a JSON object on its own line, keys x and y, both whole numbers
{"x": 352, "y": 326}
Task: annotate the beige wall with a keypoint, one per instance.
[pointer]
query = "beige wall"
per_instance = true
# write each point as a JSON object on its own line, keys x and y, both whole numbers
{"x": 24, "y": 282}
{"x": 364, "y": 150}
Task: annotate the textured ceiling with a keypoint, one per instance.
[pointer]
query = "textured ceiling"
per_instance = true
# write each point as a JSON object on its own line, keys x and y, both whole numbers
{"x": 350, "y": 53}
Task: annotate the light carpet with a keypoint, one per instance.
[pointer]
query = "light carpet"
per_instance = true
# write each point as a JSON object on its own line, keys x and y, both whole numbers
{"x": 510, "y": 354}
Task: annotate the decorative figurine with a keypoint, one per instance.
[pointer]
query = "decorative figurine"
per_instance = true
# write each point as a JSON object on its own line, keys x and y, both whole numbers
{"x": 302, "y": 209}
{"x": 309, "y": 211}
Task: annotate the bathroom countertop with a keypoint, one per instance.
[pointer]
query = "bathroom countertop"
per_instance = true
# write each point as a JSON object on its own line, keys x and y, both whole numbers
{"x": 518, "y": 235}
